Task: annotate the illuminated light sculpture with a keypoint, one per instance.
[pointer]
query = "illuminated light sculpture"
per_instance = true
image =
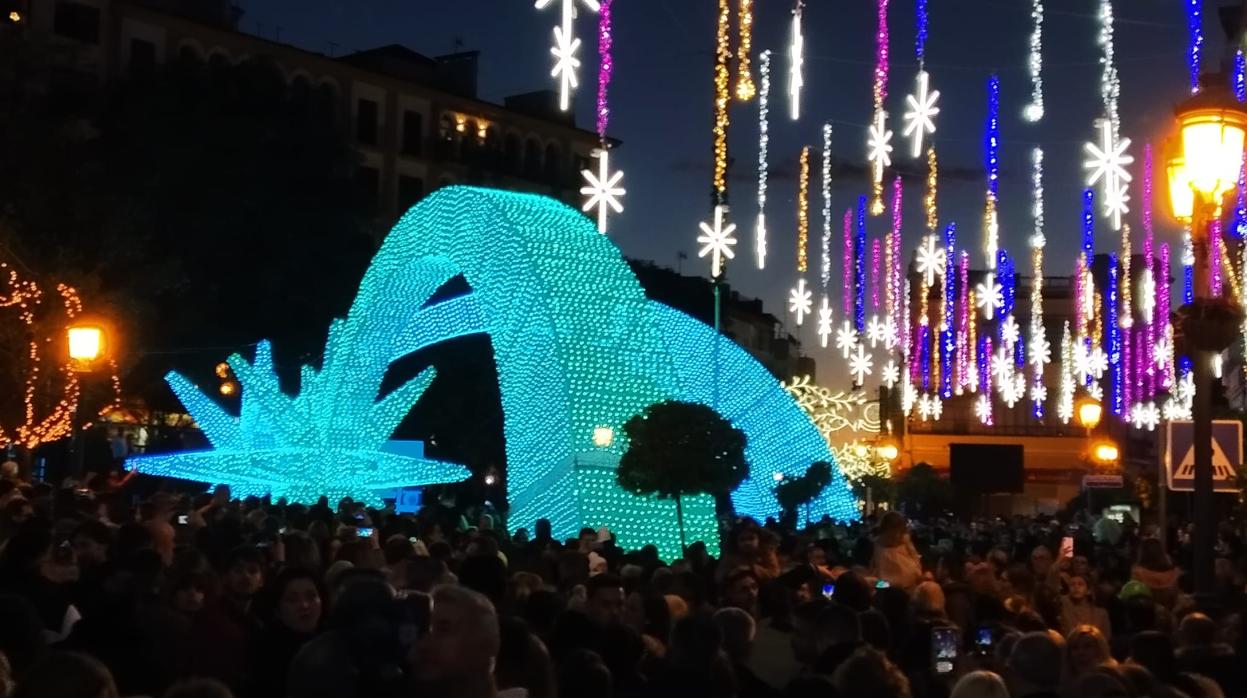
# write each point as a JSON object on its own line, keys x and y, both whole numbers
{"x": 1107, "y": 161}
{"x": 1034, "y": 63}
{"x": 796, "y": 62}
{"x": 824, "y": 322}
{"x": 541, "y": 291}
{"x": 825, "y": 267}
{"x": 764, "y": 96}
{"x": 803, "y": 212}
{"x": 879, "y": 141}
{"x": 860, "y": 364}
{"x": 931, "y": 260}
{"x": 892, "y": 265}
{"x": 745, "y": 89}
{"x": 565, "y": 46}
{"x": 800, "y": 301}
{"x": 1040, "y": 353}
{"x": 717, "y": 242}
{"x": 878, "y": 152}
{"x": 847, "y": 280}
{"x": 947, "y": 341}
{"x": 846, "y": 339}
{"x": 723, "y": 56}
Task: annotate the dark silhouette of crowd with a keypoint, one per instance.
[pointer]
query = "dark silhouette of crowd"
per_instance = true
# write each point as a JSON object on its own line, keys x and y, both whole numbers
{"x": 105, "y": 594}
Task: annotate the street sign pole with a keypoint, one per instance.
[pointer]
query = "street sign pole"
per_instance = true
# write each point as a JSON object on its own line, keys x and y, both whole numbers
{"x": 1162, "y": 487}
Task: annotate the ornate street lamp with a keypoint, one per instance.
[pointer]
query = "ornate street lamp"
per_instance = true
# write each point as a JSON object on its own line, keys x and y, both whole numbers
{"x": 86, "y": 347}
{"x": 1204, "y": 165}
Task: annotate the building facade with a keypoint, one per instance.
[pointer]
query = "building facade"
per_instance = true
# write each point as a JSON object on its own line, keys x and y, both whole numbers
{"x": 416, "y": 122}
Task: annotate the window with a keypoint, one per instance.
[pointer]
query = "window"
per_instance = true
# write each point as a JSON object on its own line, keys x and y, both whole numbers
{"x": 369, "y": 186}
{"x": 366, "y": 122}
{"x": 80, "y": 22}
{"x": 410, "y": 190}
{"x": 142, "y": 57}
{"x": 413, "y": 133}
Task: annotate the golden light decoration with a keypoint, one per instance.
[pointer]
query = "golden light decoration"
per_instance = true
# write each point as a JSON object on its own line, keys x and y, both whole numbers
{"x": 972, "y": 344}
{"x": 858, "y": 461}
{"x": 50, "y": 386}
{"x": 833, "y": 411}
{"x": 745, "y": 89}
{"x": 928, "y": 201}
{"x": 1105, "y": 452}
{"x": 721, "y": 80}
{"x": 1126, "y": 318}
{"x": 803, "y": 212}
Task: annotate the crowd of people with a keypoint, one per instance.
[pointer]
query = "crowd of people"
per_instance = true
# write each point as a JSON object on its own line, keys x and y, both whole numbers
{"x": 104, "y": 594}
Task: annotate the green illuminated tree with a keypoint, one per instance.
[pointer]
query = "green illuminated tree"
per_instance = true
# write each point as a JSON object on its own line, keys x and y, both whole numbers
{"x": 681, "y": 448}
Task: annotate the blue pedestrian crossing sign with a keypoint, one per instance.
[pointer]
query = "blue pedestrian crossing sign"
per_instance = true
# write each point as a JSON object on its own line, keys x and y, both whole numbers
{"x": 1227, "y": 455}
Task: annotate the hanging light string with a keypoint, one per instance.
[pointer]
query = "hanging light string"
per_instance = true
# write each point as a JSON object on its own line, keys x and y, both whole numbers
{"x": 803, "y": 212}
{"x": 796, "y": 62}
{"x": 826, "y": 187}
{"x": 964, "y": 331}
{"x": 764, "y": 139}
{"x": 1238, "y": 77}
{"x": 880, "y": 93}
{"x": 606, "y": 67}
{"x": 1038, "y": 340}
{"x": 1195, "y": 42}
{"x": 892, "y": 262}
{"x": 859, "y": 262}
{"x": 745, "y": 88}
{"x": 1126, "y": 318}
{"x": 948, "y": 312}
{"x": 991, "y": 224}
{"x": 723, "y": 56}
{"x": 847, "y": 280}
{"x": 1164, "y": 328}
{"x": 1110, "y": 86}
{"x": 876, "y": 253}
{"x": 1035, "y": 109}
{"x": 1148, "y": 290}
{"x": 1065, "y": 403}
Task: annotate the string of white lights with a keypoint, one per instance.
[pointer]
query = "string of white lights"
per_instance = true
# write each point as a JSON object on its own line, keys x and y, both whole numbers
{"x": 1034, "y": 111}
{"x": 764, "y": 95}
{"x": 826, "y": 256}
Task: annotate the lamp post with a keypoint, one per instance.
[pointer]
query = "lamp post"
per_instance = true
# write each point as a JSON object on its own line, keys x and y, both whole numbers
{"x": 86, "y": 346}
{"x": 1204, "y": 165}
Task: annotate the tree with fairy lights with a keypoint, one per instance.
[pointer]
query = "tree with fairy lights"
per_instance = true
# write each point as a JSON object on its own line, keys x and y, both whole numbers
{"x": 682, "y": 448}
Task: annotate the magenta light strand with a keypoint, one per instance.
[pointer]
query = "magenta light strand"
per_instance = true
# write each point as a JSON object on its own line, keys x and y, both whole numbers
{"x": 1162, "y": 314}
{"x": 1214, "y": 257}
{"x": 881, "y": 54}
{"x": 848, "y": 264}
{"x": 963, "y": 319}
{"x": 876, "y": 250}
{"x": 606, "y": 66}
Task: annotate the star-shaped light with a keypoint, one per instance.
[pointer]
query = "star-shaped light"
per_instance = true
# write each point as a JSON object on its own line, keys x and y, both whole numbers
{"x": 909, "y": 395}
{"x": 926, "y": 406}
{"x": 1145, "y": 415}
{"x": 1108, "y": 160}
{"x": 890, "y": 374}
{"x": 931, "y": 260}
{"x": 876, "y": 331}
{"x": 717, "y": 242}
{"x": 1040, "y": 350}
{"x": 1116, "y": 199}
{"x": 824, "y": 322}
{"x": 1160, "y": 353}
{"x": 860, "y": 364}
{"x": 920, "y": 112}
{"x": 879, "y": 145}
{"x": 846, "y": 338}
{"x": 602, "y": 188}
{"x": 1010, "y": 331}
{"x": 1098, "y": 361}
{"x": 800, "y": 301}
{"x": 892, "y": 337}
{"x": 937, "y": 407}
{"x": 1082, "y": 362}
{"x": 1174, "y": 409}
{"x": 989, "y": 295}
{"x": 565, "y": 63}
{"x": 1002, "y": 367}
{"x": 1147, "y": 294}
{"x": 1009, "y": 392}
{"x": 983, "y": 409}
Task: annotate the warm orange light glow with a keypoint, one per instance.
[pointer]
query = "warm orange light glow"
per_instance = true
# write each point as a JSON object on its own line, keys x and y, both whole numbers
{"x": 229, "y": 388}
{"x": 1105, "y": 452}
{"x": 86, "y": 343}
{"x": 1089, "y": 412}
{"x": 888, "y": 451}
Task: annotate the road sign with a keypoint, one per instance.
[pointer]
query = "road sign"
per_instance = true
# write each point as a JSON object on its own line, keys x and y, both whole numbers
{"x": 1102, "y": 482}
{"x": 1227, "y": 455}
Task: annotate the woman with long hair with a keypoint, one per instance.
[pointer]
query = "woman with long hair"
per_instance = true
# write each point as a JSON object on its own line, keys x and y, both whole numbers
{"x": 895, "y": 559}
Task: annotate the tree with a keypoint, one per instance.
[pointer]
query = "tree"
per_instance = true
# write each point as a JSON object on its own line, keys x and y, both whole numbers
{"x": 682, "y": 448}
{"x": 921, "y": 490}
{"x": 796, "y": 492}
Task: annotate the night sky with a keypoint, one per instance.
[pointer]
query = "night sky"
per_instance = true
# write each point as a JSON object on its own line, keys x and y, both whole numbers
{"x": 661, "y": 101}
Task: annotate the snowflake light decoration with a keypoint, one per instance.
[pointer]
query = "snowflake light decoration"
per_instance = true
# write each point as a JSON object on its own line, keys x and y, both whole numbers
{"x": 602, "y": 188}
{"x": 800, "y": 301}
{"x": 983, "y": 409}
{"x": 1010, "y": 331}
{"x": 989, "y": 295}
{"x": 1040, "y": 351}
{"x": 565, "y": 46}
{"x": 1082, "y": 362}
{"x": 1097, "y": 360}
{"x": 1096, "y": 391}
{"x": 879, "y": 145}
{"x": 717, "y": 242}
{"x": 920, "y": 112}
{"x": 937, "y": 407}
{"x": 846, "y": 338}
{"x": 1039, "y": 393}
{"x": 824, "y": 322}
{"x": 1174, "y": 409}
{"x": 1145, "y": 415}
{"x": 891, "y": 336}
{"x": 1002, "y": 367}
{"x": 1160, "y": 353}
{"x": 876, "y": 331}
{"x": 890, "y": 374}
{"x": 909, "y": 395}
{"x": 1107, "y": 160}
{"x": 860, "y": 365}
{"x": 1009, "y": 393}
{"x": 925, "y": 406}
{"x": 931, "y": 260}
{"x": 1147, "y": 294}
{"x": 796, "y": 64}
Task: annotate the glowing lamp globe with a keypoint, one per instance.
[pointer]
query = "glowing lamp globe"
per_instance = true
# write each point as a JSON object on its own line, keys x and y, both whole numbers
{"x": 888, "y": 451}
{"x": 1089, "y": 412}
{"x": 1105, "y": 452}
{"x": 1208, "y": 152}
{"x": 86, "y": 343}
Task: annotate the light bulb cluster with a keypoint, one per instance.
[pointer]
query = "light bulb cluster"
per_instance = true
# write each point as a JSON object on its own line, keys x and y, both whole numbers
{"x": 1038, "y": 339}
{"x": 948, "y": 310}
{"x": 825, "y": 266}
{"x": 723, "y": 56}
{"x": 745, "y": 89}
{"x": 764, "y": 139}
{"x": 803, "y": 212}
{"x": 557, "y": 273}
{"x": 1195, "y": 42}
{"x": 848, "y": 278}
{"x": 892, "y": 262}
{"x": 859, "y": 268}
{"x": 879, "y": 139}
{"x": 1034, "y": 110}
{"x": 1238, "y": 77}
{"x": 796, "y": 62}
{"x": 566, "y": 44}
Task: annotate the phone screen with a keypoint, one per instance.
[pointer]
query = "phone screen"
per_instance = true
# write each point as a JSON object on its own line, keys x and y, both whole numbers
{"x": 943, "y": 650}
{"x": 882, "y": 584}
{"x": 363, "y": 531}
{"x": 829, "y": 590}
{"x": 183, "y": 519}
{"x": 1067, "y": 547}
{"x": 983, "y": 639}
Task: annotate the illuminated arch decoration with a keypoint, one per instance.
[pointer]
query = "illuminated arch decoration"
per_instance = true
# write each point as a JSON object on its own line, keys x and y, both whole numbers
{"x": 577, "y": 346}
